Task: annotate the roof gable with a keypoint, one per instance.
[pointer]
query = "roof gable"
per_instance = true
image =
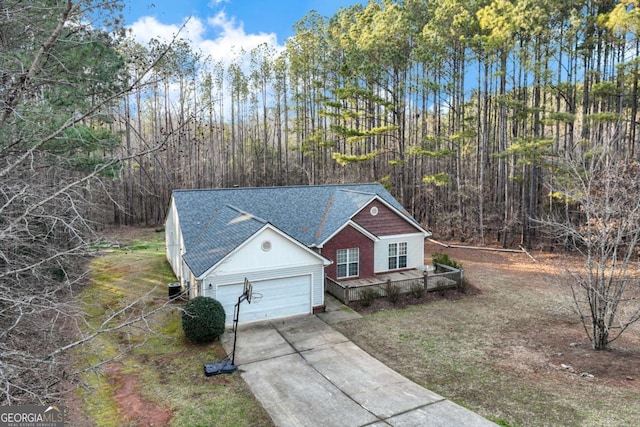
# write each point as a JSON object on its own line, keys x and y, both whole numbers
{"x": 282, "y": 251}
{"x": 208, "y": 239}
{"x": 381, "y": 220}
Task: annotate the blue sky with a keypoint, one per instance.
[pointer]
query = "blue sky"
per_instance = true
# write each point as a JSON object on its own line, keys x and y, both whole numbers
{"x": 257, "y": 16}
{"x": 217, "y": 28}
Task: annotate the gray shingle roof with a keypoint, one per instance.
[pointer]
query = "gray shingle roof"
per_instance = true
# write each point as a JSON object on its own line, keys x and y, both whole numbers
{"x": 210, "y": 236}
{"x": 214, "y": 222}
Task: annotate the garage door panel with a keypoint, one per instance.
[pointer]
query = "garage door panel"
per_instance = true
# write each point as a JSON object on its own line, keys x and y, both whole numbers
{"x": 280, "y": 298}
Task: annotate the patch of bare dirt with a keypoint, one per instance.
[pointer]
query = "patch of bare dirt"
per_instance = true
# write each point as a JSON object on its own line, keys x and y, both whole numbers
{"x": 134, "y": 408}
{"x": 563, "y": 353}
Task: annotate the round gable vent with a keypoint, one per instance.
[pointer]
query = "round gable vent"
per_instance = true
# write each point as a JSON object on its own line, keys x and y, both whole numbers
{"x": 373, "y": 211}
{"x": 266, "y": 245}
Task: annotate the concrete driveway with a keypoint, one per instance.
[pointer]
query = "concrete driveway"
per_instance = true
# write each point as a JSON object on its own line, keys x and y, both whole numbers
{"x": 305, "y": 373}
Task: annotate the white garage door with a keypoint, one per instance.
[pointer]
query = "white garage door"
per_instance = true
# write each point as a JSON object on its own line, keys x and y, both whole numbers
{"x": 280, "y": 298}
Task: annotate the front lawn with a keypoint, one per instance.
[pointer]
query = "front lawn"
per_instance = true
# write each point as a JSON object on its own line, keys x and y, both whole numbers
{"x": 514, "y": 352}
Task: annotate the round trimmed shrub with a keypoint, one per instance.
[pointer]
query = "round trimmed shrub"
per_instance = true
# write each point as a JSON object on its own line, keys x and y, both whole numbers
{"x": 203, "y": 319}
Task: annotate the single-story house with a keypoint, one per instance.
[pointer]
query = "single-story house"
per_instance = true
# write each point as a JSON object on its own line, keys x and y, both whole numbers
{"x": 284, "y": 240}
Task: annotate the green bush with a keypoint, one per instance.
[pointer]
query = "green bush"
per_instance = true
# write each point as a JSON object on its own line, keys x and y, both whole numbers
{"x": 203, "y": 319}
{"x": 444, "y": 259}
{"x": 393, "y": 292}
{"x": 367, "y": 296}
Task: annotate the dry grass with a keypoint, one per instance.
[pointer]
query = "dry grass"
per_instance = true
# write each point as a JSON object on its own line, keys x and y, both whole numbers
{"x": 500, "y": 352}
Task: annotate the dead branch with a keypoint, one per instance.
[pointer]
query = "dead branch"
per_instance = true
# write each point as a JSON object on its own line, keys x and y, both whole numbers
{"x": 479, "y": 248}
{"x": 528, "y": 254}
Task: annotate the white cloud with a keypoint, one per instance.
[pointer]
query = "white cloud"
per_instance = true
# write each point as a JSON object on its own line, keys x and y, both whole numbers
{"x": 220, "y": 37}
{"x": 232, "y": 37}
{"x": 148, "y": 27}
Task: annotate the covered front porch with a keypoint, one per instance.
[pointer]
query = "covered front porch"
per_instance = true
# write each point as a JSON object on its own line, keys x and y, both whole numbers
{"x": 427, "y": 278}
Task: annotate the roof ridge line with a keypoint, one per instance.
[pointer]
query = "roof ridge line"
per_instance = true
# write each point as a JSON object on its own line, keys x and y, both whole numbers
{"x": 351, "y": 190}
{"x": 187, "y": 190}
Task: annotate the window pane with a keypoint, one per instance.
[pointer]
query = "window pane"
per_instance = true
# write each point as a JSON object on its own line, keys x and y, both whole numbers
{"x": 393, "y": 249}
{"x": 397, "y": 255}
{"x": 353, "y": 269}
{"x": 347, "y": 262}
{"x": 403, "y": 248}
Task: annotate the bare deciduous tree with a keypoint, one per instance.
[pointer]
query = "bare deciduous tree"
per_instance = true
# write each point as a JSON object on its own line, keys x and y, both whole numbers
{"x": 60, "y": 77}
{"x": 600, "y": 218}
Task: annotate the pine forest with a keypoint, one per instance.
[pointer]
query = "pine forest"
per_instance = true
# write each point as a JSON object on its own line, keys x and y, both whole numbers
{"x": 464, "y": 110}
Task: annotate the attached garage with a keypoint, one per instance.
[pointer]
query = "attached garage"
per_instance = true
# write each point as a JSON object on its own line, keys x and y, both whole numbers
{"x": 281, "y": 297}
{"x": 288, "y": 276}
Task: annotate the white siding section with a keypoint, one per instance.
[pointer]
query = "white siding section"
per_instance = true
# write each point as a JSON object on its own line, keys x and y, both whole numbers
{"x": 290, "y": 276}
{"x": 174, "y": 242}
{"x": 192, "y": 284}
{"x": 415, "y": 251}
{"x": 252, "y": 257}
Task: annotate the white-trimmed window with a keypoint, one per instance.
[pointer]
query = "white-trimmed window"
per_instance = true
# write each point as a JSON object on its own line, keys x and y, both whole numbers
{"x": 397, "y": 255}
{"x": 347, "y": 262}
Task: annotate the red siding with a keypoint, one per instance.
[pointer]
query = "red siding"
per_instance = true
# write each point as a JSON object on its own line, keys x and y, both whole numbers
{"x": 349, "y": 238}
{"x": 385, "y": 223}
